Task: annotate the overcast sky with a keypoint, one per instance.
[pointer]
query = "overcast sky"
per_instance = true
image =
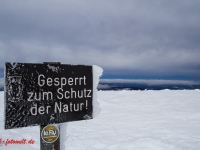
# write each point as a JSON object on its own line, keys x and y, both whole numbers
{"x": 127, "y": 38}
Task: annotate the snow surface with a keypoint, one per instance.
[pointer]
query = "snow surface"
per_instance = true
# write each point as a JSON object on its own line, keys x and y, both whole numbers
{"x": 129, "y": 120}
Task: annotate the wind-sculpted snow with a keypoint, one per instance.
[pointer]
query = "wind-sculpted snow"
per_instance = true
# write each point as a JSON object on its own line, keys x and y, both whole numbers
{"x": 129, "y": 120}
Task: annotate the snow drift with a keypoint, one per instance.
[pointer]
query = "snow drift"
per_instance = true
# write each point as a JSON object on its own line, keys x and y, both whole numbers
{"x": 142, "y": 120}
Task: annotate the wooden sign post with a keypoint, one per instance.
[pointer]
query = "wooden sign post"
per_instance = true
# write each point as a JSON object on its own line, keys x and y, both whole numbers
{"x": 51, "y": 139}
{"x": 47, "y": 94}
{"x": 50, "y": 135}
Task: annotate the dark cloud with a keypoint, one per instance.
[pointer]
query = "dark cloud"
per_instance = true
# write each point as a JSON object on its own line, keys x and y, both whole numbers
{"x": 148, "y": 82}
{"x": 123, "y": 37}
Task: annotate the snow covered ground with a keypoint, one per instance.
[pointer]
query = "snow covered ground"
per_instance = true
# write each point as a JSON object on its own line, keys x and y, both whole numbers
{"x": 129, "y": 120}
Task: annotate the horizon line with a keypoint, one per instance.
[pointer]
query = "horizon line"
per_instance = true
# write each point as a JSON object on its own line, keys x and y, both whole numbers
{"x": 151, "y": 81}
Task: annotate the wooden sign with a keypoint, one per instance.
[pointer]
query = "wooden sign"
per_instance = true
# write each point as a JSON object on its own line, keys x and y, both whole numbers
{"x": 42, "y": 94}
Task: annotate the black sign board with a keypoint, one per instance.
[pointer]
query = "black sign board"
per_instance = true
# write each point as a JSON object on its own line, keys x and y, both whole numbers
{"x": 41, "y": 94}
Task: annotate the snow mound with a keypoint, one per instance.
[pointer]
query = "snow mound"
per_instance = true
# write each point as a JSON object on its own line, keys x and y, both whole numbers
{"x": 141, "y": 120}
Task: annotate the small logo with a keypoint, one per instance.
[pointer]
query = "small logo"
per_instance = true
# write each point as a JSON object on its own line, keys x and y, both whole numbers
{"x": 14, "y": 88}
{"x": 50, "y": 134}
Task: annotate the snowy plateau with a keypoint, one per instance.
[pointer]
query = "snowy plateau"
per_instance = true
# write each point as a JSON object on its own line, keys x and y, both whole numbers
{"x": 129, "y": 120}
